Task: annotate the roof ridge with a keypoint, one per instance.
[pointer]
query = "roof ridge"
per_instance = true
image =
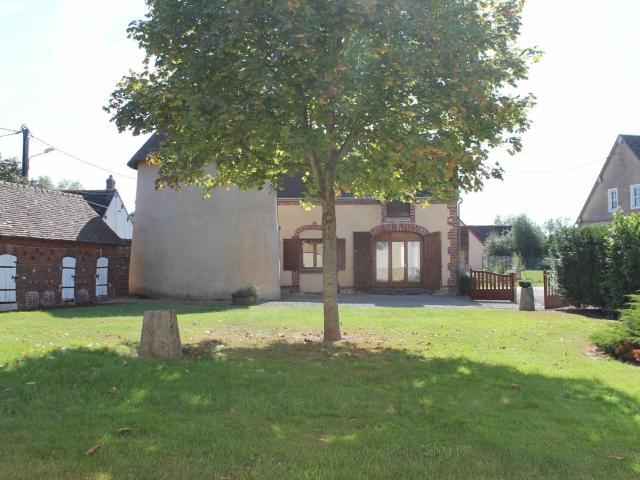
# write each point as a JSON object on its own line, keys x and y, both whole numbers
{"x": 37, "y": 189}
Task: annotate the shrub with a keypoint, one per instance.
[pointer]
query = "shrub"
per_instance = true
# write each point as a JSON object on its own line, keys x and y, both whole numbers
{"x": 623, "y": 255}
{"x": 465, "y": 284}
{"x": 499, "y": 245}
{"x": 631, "y": 316}
{"x": 579, "y": 255}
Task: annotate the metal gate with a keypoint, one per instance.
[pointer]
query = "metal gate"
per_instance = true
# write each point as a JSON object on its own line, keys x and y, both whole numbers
{"x": 102, "y": 277}
{"x": 68, "y": 279}
{"x": 8, "y": 265}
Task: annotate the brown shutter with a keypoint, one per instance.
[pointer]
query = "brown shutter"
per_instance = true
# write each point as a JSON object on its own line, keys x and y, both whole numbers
{"x": 362, "y": 260}
{"x": 341, "y": 254}
{"x": 432, "y": 261}
{"x": 291, "y": 251}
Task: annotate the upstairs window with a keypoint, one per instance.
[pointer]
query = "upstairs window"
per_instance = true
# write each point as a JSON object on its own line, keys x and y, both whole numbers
{"x": 613, "y": 199}
{"x": 398, "y": 209}
{"x": 635, "y": 196}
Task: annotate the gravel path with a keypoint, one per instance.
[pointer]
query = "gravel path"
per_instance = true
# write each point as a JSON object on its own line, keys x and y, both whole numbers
{"x": 399, "y": 300}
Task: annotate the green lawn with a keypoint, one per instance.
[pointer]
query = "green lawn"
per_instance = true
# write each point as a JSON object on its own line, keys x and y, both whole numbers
{"x": 535, "y": 277}
{"x": 415, "y": 393}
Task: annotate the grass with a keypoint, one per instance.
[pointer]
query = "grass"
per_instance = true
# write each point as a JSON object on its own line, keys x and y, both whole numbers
{"x": 412, "y": 393}
{"x": 535, "y": 277}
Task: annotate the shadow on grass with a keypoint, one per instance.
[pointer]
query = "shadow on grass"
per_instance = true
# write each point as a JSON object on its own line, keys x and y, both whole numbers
{"x": 132, "y": 309}
{"x": 308, "y": 411}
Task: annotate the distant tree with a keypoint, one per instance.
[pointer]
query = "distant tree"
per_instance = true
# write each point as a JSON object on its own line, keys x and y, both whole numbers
{"x": 10, "y": 170}
{"x": 527, "y": 237}
{"x": 499, "y": 245}
{"x": 382, "y": 99}
{"x": 42, "y": 182}
{"x": 46, "y": 183}
{"x": 554, "y": 225}
{"x": 65, "y": 184}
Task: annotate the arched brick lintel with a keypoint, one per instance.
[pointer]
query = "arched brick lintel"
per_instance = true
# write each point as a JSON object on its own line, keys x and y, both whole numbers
{"x": 398, "y": 227}
{"x": 302, "y": 228}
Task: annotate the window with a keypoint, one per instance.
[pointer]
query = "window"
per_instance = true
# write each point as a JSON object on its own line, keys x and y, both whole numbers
{"x": 613, "y": 199}
{"x": 635, "y": 196}
{"x": 398, "y": 209}
{"x": 312, "y": 253}
{"x": 306, "y": 254}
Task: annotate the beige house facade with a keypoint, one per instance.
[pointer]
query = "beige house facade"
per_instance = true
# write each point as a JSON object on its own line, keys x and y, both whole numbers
{"x": 185, "y": 246}
{"x": 407, "y": 247}
{"x": 617, "y": 187}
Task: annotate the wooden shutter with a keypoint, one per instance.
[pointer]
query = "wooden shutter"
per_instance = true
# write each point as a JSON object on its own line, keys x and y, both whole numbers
{"x": 291, "y": 253}
{"x": 362, "y": 260}
{"x": 432, "y": 261}
{"x": 341, "y": 254}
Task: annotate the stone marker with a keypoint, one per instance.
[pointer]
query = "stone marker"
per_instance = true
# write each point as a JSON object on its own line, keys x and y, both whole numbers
{"x": 160, "y": 337}
{"x": 527, "y": 302}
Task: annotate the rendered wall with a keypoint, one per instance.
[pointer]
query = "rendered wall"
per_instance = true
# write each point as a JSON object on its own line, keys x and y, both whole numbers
{"x": 622, "y": 171}
{"x": 189, "y": 247}
{"x": 353, "y": 218}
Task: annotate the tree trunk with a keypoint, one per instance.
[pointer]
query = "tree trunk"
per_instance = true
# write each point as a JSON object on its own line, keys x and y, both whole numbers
{"x": 329, "y": 269}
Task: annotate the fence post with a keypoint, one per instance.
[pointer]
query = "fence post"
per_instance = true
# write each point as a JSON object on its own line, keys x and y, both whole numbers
{"x": 512, "y": 285}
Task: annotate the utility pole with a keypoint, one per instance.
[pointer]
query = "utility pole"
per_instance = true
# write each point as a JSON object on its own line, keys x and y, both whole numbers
{"x": 25, "y": 151}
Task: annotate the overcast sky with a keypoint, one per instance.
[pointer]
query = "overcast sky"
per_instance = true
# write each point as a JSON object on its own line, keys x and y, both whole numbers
{"x": 62, "y": 58}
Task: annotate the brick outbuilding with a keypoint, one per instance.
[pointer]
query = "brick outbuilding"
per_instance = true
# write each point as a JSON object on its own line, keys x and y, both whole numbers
{"x": 55, "y": 250}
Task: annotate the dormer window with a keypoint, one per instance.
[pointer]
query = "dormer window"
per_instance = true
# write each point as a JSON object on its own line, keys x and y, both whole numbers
{"x": 613, "y": 199}
{"x": 398, "y": 209}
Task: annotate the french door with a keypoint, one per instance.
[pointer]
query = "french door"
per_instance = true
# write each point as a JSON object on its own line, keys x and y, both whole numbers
{"x": 398, "y": 260}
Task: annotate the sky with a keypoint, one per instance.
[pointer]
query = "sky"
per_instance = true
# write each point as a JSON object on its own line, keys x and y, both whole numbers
{"x": 62, "y": 58}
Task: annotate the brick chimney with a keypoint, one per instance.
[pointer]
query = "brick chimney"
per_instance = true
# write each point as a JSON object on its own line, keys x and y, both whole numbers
{"x": 111, "y": 183}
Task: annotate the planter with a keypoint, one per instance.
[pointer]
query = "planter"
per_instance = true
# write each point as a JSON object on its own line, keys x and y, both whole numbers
{"x": 524, "y": 284}
{"x": 527, "y": 302}
{"x": 245, "y": 300}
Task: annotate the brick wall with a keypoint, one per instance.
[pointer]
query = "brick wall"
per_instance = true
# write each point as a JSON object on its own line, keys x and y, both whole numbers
{"x": 39, "y": 270}
{"x": 452, "y": 236}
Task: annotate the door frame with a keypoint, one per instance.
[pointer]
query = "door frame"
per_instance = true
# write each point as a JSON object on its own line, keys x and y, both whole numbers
{"x": 397, "y": 237}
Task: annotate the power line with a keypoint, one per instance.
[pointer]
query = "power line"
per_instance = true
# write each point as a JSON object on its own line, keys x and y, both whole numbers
{"x": 81, "y": 160}
{"x": 9, "y": 130}
{"x": 533, "y": 172}
{"x": 8, "y": 134}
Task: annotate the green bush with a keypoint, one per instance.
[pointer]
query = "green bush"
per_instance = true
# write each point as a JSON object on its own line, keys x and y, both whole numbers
{"x": 499, "y": 245}
{"x": 465, "y": 284}
{"x": 623, "y": 260}
{"x": 579, "y": 255}
{"x": 631, "y": 316}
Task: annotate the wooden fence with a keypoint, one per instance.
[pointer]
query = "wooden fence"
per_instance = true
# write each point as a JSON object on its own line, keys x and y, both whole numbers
{"x": 492, "y": 286}
{"x": 552, "y": 296}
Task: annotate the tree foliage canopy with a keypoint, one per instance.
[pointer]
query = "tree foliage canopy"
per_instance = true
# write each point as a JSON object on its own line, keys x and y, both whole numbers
{"x": 10, "y": 170}
{"x": 380, "y": 98}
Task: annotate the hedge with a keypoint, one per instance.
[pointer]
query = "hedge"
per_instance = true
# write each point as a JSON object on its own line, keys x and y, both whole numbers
{"x": 598, "y": 266}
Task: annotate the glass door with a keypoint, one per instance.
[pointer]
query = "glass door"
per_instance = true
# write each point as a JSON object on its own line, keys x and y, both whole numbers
{"x": 398, "y": 260}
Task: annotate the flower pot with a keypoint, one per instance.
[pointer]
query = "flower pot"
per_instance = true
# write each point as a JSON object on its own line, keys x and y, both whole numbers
{"x": 524, "y": 284}
{"x": 244, "y": 300}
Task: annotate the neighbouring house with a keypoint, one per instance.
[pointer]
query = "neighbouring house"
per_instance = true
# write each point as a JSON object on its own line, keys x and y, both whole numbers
{"x": 472, "y": 242}
{"x": 55, "y": 250}
{"x": 617, "y": 187}
{"x": 185, "y": 246}
{"x": 110, "y": 207}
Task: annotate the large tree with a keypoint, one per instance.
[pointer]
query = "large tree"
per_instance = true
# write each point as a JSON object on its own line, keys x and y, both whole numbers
{"x": 380, "y": 98}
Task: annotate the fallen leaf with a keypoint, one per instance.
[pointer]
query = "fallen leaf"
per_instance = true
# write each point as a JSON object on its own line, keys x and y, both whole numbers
{"x": 93, "y": 450}
{"x": 124, "y": 430}
{"x": 515, "y": 386}
{"x": 112, "y": 391}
